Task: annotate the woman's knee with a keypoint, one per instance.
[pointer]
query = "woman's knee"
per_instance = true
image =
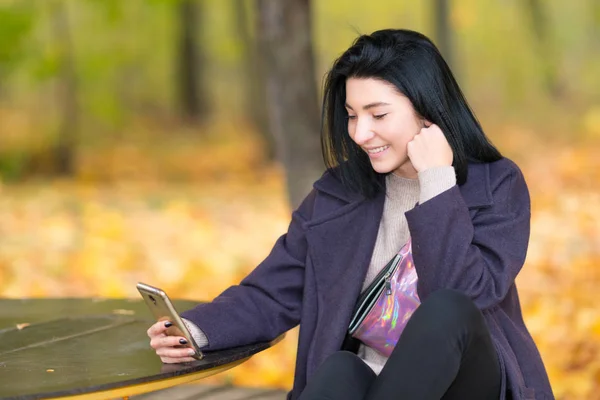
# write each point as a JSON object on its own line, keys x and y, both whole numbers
{"x": 343, "y": 375}
{"x": 448, "y": 308}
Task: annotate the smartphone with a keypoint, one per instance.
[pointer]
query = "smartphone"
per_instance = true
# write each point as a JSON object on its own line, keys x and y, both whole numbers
{"x": 163, "y": 310}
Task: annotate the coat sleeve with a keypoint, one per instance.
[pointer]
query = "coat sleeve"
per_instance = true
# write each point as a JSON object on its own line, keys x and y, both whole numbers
{"x": 268, "y": 301}
{"x": 478, "y": 255}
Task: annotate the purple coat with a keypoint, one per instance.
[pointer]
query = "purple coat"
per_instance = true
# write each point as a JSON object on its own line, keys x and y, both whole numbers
{"x": 471, "y": 238}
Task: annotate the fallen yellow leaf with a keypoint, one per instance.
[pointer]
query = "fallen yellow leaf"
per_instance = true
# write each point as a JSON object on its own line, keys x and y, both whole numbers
{"x": 123, "y": 312}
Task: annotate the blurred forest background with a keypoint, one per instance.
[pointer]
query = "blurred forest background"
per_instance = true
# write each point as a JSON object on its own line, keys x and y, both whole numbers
{"x": 166, "y": 141}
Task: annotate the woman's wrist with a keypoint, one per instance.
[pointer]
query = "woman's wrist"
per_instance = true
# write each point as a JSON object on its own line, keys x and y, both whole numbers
{"x": 197, "y": 334}
{"x": 434, "y": 181}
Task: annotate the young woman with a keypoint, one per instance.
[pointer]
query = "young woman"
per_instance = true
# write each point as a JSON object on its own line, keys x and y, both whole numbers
{"x": 413, "y": 188}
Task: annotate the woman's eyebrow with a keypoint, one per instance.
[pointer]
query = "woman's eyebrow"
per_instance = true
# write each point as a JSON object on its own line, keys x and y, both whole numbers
{"x": 370, "y": 105}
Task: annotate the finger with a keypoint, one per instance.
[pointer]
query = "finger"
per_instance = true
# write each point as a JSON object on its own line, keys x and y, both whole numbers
{"x": 171, "y": 352}
{"x": 167, "y": 341}
{"x": 157, "y": 328}
{"x": 425, "y": 131}
{"x": 410, "y": 149}
{"x": 156, "y": 337}
{"x": 169, "y": 360}
{"x": 435, "y": 130}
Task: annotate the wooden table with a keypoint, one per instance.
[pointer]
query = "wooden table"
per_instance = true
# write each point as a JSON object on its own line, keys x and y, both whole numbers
{"x": 91, "y": 349}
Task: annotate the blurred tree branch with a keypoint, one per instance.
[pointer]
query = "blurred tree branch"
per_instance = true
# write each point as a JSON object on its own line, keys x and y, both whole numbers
{"x": 16, "y": 22}
{"x": 254, "y": 93}
{"x": 192, "y": 94}
{"x": 443, "y": 30}
{"x": 546, "y": 48}
{"x": 64, "y": 151}
{"x": 288, "y": 64}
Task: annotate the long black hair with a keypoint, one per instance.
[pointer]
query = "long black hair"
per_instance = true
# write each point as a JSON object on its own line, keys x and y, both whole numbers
{"x": 411, "y": 62}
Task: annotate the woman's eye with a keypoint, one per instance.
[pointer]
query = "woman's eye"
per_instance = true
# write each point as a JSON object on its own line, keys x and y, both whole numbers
{"x": 351, "y": 116}
{"x": 379, "y": 116}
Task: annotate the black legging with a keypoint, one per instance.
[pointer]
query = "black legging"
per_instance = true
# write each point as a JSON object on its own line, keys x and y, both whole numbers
{"x": 445, "y": 352}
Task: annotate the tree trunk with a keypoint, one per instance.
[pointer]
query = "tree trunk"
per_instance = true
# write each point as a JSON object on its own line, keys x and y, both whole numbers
{"x": 193, "y": 105}
{"x": 293, "y": 111}
{"x": 546, "y": 51}
{"x": 64, "y": 151}
{"x": 254, "y": 87}
{"x": 443, "y": 31}
{"x": 595, "y": 13}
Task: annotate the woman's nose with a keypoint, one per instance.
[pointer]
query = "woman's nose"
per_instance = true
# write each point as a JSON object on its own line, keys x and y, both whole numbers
{"x": 362, "y": 133}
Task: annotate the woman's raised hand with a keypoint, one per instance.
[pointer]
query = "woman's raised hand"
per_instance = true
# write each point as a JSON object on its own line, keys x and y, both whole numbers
{"x": 429, "y": 148}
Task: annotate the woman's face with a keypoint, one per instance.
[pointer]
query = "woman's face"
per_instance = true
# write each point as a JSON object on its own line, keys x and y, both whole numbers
{"x": 382, "y": 122}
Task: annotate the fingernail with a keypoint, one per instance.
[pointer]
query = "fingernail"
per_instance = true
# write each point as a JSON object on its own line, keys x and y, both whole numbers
{"x": 168, "y": 324}
{"x": 192, "y": 352}
{"x": 182, "y": 341}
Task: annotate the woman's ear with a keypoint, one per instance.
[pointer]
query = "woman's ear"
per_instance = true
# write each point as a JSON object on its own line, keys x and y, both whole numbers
{"x": 426, "y": 123}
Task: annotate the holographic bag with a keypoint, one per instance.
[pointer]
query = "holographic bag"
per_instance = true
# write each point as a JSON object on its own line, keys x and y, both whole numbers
{"x": 384, "y": 308}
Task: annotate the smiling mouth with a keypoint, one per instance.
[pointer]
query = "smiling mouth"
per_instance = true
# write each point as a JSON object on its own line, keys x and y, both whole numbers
{"x": 378, "y": 149}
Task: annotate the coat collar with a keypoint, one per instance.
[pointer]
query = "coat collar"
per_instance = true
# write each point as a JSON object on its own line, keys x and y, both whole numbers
{"x": 331, "y": 184}
{"x": 476, "y": 191}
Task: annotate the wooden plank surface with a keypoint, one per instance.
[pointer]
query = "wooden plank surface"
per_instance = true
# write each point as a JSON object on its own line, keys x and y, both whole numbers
{"x": 82, "y": 346}
{"x": 19, "y": 311}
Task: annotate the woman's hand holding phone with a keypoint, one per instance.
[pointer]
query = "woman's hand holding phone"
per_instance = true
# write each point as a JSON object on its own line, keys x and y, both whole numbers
{"x": 169, "y": 337}
{"x": 167, "y": 347}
